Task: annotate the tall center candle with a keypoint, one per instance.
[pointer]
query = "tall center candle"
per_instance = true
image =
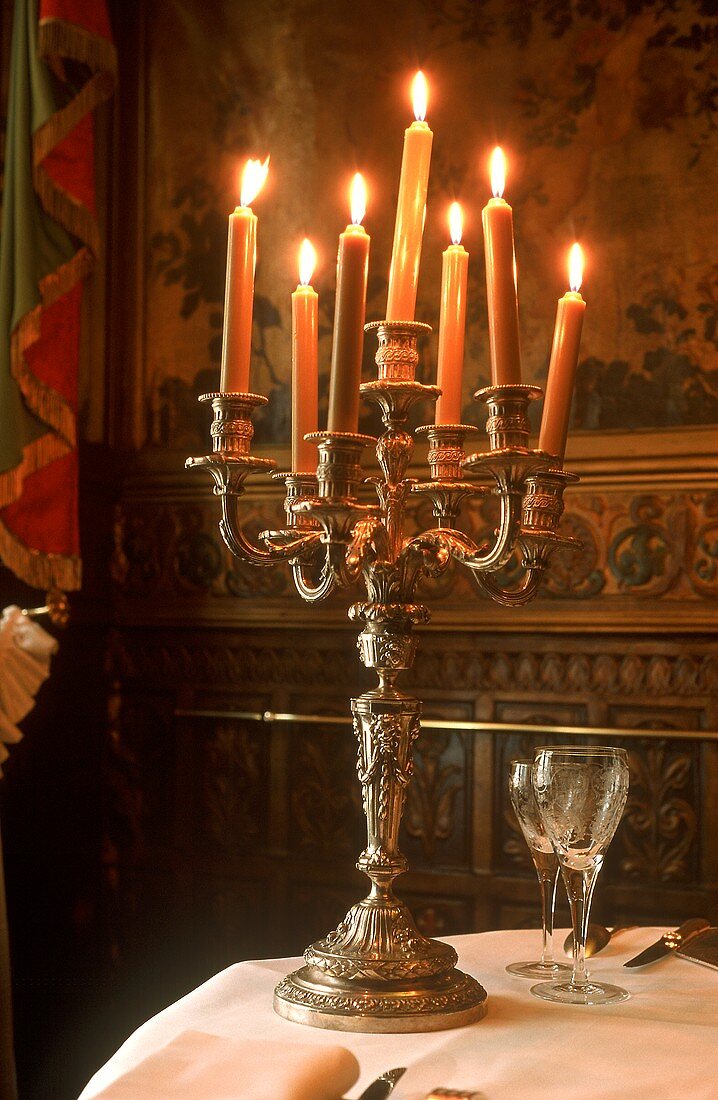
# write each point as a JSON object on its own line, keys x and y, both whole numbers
{"x": 564, "y": 361}
{"x": 452, "y": 322}
{"x": 305, "y": 308}
{"x": 349, "y": 314}
{"x": 501, "y": 291}
{"x": 239, "y": 285}
{"x": 410, "y": 210}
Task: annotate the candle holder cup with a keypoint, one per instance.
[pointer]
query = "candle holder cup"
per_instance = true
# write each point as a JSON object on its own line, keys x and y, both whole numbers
{"x": 298, "y": 487}
{"x": 376, "y": 972}
{"x": 339, "y": 471}
{"x": 447, "y": 489}
{"x": 231, "y": 432}
{"x": 507, "y": 425}
{"x": 542, "y": 510}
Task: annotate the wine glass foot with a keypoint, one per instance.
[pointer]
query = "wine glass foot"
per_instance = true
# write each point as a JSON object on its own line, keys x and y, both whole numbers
{"x": 590, "y": 993}
{"x": 538, "y": 971}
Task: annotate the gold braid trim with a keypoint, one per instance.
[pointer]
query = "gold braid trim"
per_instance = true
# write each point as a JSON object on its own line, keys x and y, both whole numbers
{"x": 46, "y": 403}
{"x": 56, "y": 40}
{"x": 98, "y": 88}
{"x": 36, "y": 569}
{"x": 57, "y": 37}
{"x": 41, "y": 452}
{"x": 64, "y": 209}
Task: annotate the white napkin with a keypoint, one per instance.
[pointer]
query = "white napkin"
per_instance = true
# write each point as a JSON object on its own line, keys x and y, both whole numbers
{"x": 25, "y": 652}
{"x": 198, "y": 1066}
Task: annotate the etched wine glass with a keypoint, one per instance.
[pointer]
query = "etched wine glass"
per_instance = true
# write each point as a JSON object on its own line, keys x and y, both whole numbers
{"x": 546, "y": 863}
{"x": 580, "y": 793}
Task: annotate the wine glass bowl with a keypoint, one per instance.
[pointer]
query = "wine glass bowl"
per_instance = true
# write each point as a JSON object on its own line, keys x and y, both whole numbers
{"x": 580, "y": 794}
{"x": 546, "y": 863}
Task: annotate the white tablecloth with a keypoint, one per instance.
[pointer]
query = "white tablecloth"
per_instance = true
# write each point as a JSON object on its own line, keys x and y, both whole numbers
{"x": 662, "y": 1044}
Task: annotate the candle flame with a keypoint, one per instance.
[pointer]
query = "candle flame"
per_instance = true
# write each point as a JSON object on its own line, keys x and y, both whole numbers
{"x": 456, "y": 222}
{"x": 307, "y": 261}
{"x": 575, "y": 267}
{"x": 357, "y": 199}
{"x": 253, "y": 177}
{"x": 420, "y": 96}
{"x": 498, "y": 172}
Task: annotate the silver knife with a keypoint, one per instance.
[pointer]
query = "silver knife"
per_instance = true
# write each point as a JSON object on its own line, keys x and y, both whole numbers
{"x": 669, "y": 942}
{"x": 380, "y": 1089}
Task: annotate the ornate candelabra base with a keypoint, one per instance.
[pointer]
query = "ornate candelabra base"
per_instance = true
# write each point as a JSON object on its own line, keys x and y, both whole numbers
{"x": 443, "y": 1001}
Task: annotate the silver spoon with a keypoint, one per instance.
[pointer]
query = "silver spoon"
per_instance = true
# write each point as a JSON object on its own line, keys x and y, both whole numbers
{"x": 597, "y": 938}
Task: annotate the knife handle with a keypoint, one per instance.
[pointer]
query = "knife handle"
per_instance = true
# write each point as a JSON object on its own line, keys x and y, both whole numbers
{"x": 686, "y": 930}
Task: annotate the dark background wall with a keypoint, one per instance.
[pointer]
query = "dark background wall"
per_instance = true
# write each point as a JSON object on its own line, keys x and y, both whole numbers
{"x": 146, "y": 846}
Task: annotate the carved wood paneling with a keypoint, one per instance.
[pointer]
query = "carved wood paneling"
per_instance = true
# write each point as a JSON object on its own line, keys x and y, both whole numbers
{"x": 437, "y": 916}
{"x": 435, "y": 816}
{"x": 575, "y": 666}
{"x": 325, "y": 815}
{"x": 233, "y": 787}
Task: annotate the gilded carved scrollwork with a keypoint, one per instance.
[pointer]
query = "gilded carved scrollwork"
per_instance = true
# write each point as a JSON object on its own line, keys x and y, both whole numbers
{"x": 646, "y": 555}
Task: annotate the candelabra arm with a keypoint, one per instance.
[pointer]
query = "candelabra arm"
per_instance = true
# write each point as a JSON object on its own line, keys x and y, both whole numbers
{"x": 310, "y": 590}
{"x": 511, "y": 597}
{"x": 237, "y": 542}
{"x": 495, "y": 556}
{"x": 464, "y": 550}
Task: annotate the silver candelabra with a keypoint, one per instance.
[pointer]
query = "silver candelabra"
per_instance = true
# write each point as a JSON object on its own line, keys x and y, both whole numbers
{"x": 376, "y": 972}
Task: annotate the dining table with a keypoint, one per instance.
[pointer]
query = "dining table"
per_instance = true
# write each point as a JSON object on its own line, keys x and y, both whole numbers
{"x": 660, "y": 1044}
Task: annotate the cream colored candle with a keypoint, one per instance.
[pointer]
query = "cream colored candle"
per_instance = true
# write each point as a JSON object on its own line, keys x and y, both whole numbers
{"x": 410, "y": 210}
{"x": 305, "y": 339}
{"x": 501, "y": 289}
{"x": 239, "y": 285}
{"x": 452, "y": 322}
{"x": 349, "y": 315}
{"x": 564, "y": 360}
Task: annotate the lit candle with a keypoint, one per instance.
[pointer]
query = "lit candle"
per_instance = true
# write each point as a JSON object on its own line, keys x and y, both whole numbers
{"x": 501, "y": 290}
{"x": 239, "y": 286}
{"x": 349, "y": 314}
{"x": 564, "y": 360}
{"x": 410, "y": 210}
{"x": 305, "y": 301}
{"x": 452, "y": 322}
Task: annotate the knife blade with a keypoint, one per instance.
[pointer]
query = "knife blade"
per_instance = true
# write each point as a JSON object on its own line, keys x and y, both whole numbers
{"x": 384, "y": 1084}
{"x": 669, "y": 942}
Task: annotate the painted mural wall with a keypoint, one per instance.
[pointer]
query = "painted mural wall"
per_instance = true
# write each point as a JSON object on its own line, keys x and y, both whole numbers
{"x": 608, "y": 112}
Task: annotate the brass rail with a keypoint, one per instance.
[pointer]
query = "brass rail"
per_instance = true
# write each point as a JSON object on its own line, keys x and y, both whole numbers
{"x": 442, "y": 724}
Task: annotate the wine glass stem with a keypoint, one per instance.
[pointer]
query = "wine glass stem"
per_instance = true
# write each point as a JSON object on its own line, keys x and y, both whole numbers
{"x": 579, "y": 887}
{"x": 547, "y": 883}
